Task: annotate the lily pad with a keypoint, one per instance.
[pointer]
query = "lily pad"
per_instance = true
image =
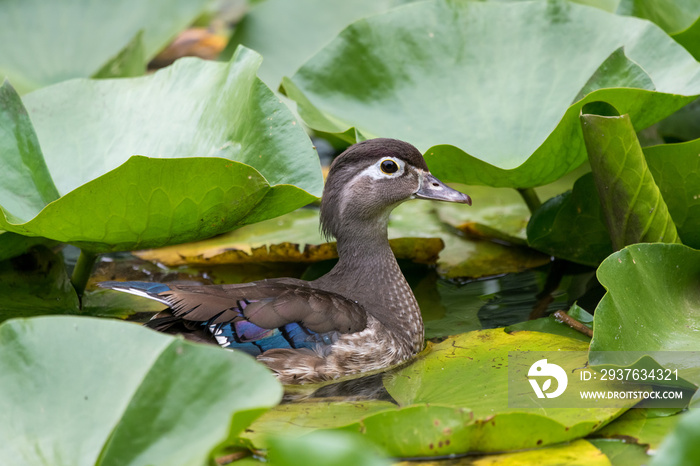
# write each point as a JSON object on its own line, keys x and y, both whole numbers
{"x": 631, "y": 202}
{"x": 294, "y": 237}
{"x": 110, "y": 201}
{"x": 157, "y": 400}
{"x": 676, "y": 171}
{"x": 577, "y": 453}
{"x": 621, "y": 453}
{"x": 294, "y": 420}
{"x": 289, "y": 33}
{"x": 482, "y": 109}
{"x": 571, "y": 226}
{"x": 324, "y": 448}
{"x": 34, "y": 284}
{"x": 651, "y": 305}
{"x": 415, "y": 233}
{"x": 640, "y": 426}
{"x": 478, "y": 419}
{"x": 438, "y": 414}
{"x": 64, "y": 39}
{"x": 681, "y": 447}
{"x": 679, "y": 18}
{"x": 500, "y": 213}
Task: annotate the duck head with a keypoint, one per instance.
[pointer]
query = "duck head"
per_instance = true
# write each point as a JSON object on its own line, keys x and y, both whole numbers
{"x": 367, "y": 181}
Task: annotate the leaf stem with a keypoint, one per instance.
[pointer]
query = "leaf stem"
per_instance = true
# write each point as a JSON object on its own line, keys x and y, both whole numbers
{"x": 565, "y": 318}
{"x": 531, "y": 199}
{"x": 82, "y": 272}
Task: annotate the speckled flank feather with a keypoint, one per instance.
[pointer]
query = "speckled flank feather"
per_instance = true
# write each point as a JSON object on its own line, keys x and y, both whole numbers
{"x": 368, "y": 350}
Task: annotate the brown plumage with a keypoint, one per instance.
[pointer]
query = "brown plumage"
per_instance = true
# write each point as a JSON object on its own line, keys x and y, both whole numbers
{"x": 360, "y": 316}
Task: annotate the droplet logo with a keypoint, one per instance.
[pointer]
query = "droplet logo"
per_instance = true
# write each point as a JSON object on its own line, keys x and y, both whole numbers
{"x": 542, "y": 368}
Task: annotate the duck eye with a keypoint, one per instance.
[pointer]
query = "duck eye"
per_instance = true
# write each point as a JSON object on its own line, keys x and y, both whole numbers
{"x": 388, "y": 166}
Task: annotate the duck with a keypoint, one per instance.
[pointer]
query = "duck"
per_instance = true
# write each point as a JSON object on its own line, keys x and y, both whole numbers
{"x": 361, "y": 316}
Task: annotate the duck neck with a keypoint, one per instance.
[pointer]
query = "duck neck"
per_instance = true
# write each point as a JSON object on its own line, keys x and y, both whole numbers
{"x": 367, "y": 272}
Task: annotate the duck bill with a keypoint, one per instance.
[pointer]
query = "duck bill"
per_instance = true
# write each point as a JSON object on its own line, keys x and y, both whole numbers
{"x": 432, "y": 188}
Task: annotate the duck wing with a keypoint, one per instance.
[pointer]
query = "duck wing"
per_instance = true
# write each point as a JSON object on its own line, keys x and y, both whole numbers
{"x": 256, "y": 316}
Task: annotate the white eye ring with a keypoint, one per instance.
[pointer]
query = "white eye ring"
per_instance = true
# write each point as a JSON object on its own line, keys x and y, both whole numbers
{"x": 383, "y": 167}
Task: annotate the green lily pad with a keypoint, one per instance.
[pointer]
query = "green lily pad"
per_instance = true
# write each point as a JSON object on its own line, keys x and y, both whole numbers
{"x": 651, "y": 305}
{"x": 571, "y": 226}
{"x": 681, "y": 447}
{"x": 577, "y": 453}
{"x": 548, "y": 325}
{"x": 324, "y": 448}
{"x": 640, "y": 426}
{"x": 110, "y": 201}
{"x": 631, "y": 202}
{"x": 676, "y": 170}
{"x": 294, "y": 237}
{"x": 64, "y": 39}
{"x": 438, "y": 415}
{"x": 621, "y": 453}
{"x": 500, "y": 213}
{"x": 294, "y": 420}
{"x": 484, "y": 110}
{"x": 155, "y": 400}
{"x": 12, "y": 244}
{"x": 34, "y": 284}
{"x": 289, "y": 33}
{"x": 679, "y": 18}
{"x": 682, "y": 126}
{"x": 415, "y": 233}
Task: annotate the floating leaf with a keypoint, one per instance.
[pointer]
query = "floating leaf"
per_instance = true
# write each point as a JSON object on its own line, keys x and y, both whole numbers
{"x": 114, "y": 401}
{"x": 415, "y": 233}
{"x": 483, "y": 109}
{"x": 439, "y": 415}
{"x": 651, "y": 306}
{"x": 548, "y": 325}
{"x": 681, "y": 447}
{"x": 577, "y": 453}
{"x": 571, "y": 226}
{"x": 478, "y": 419}
{"x": 289, "y": 33}
{"x": 35, "y": 284}
{"x": 192, "y": 108}
{"x": 679, "y": 18}
{"x": 640, "y": 426}
{"x": 64, "y": 39}
{"x": 324, "y": 448}
{"x": 676, "y": 170}
{"x": 294, "y": 237}
{"x": 631, "y": 202}
{"x": 294, "y": 420}
{"x": 621, "y": 453}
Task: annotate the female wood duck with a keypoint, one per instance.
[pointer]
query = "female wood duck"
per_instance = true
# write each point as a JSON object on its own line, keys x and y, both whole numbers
{"x": 360, "y": 316}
